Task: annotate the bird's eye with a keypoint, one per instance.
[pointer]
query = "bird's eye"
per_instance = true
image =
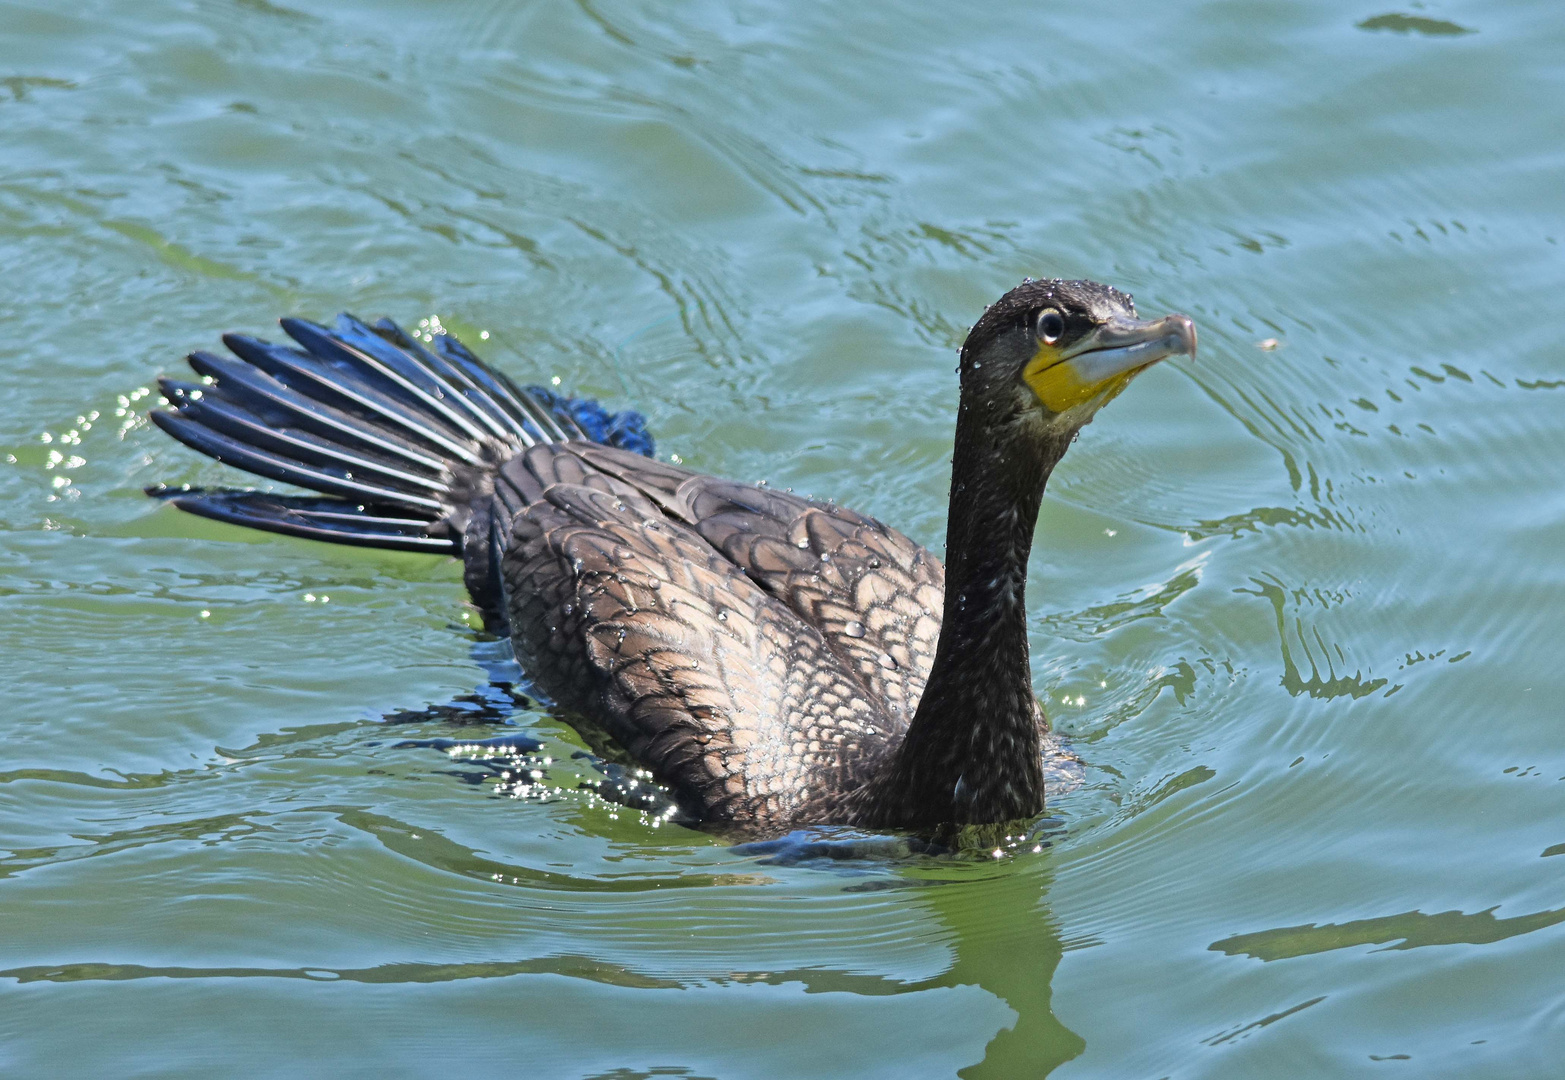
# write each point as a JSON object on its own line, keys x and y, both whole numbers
{"x": 1051, "y": 324}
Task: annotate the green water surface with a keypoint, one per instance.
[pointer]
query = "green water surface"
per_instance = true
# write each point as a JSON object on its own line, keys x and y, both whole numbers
{"x": 1299, "y": 605}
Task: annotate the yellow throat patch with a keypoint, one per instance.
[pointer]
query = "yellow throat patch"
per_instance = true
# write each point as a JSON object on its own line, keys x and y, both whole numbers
{"x": 1058, "y": 384}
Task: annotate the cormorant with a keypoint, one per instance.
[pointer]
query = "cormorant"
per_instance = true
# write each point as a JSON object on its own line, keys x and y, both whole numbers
{"x": 774, "y": 660}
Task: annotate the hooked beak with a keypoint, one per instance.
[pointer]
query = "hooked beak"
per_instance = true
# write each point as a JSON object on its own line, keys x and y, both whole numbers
{"x": 1104, "y": 361}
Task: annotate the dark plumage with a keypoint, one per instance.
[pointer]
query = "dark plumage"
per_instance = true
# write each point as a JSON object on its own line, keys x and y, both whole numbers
{"x": 774, "y": 660}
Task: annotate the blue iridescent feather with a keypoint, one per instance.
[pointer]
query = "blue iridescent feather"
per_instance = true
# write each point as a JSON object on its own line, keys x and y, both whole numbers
{"x": 625, "y": 430}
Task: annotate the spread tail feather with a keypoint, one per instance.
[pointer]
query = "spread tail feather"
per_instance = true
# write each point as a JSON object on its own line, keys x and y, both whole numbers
{"x": 398, "y": 436}
{"x": 333, "y": 520}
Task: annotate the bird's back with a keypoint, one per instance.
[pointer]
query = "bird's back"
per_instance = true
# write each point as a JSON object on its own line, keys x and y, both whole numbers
{"x": 759, "y": 651}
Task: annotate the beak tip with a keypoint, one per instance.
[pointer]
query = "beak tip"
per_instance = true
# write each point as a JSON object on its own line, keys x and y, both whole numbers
{"x": 1184, "y": 330}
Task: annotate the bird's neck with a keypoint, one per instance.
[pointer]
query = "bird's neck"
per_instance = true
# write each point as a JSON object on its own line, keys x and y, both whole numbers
{"x": 972, "y": 752}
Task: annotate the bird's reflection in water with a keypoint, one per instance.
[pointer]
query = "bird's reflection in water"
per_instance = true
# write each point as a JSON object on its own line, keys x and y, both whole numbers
{"x": 1006, "y": 941}
{"x": 1002, "y": 934}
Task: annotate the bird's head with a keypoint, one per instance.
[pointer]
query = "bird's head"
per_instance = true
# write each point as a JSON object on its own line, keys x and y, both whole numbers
{"x": 1049, "y": 354}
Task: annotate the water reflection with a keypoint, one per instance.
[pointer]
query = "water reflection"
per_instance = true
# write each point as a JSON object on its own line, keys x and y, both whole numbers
{"x": 1409, "y": 930}
{"x": 1002, "y": 937}
{"x": 1006, "y": 941}
{"x": 576, "y": 967}
{"x": 208, "y": 831}
{"x": 1415, "y": 24}
{"x": 427, "y": 846}
{"x": 1244, "y": 1031}
{"x": 1307, "y": 644}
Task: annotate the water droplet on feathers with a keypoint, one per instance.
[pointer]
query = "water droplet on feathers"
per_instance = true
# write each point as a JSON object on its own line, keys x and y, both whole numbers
{"x": 854, "y": 629}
